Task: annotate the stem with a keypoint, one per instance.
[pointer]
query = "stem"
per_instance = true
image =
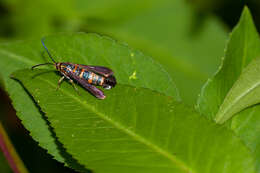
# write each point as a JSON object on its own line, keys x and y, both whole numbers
{"x": 10, "y": 154}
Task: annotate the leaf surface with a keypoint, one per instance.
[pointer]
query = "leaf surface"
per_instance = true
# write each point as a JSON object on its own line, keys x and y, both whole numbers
{"x": 130, "y": 66}
{"x": 134, "y": 130}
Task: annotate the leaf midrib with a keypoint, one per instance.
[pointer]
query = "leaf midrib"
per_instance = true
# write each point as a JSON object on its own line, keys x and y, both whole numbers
{"x": 135, "y": 136}
{"x": 245, "y": 47}
{"x": 241, "y": 96}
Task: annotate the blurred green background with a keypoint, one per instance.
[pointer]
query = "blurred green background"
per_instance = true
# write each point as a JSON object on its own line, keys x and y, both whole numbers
{"x": 186, "y": 37}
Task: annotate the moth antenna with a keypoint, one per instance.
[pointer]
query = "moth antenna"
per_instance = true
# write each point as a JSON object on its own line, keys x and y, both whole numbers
{"x": 47, "y": 50}
{"x": 41, "y": 65}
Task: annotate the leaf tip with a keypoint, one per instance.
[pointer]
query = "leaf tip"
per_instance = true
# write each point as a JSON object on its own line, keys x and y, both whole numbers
{"x": 246, "y": 10}
{"x": 219, "y": 120}
{"x": 246, "y": 14}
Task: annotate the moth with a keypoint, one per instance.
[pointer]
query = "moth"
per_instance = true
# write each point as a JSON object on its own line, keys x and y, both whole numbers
{"x": 88, "y": 76}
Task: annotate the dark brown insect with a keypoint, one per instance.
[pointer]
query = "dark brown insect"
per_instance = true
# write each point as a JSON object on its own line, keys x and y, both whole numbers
{"x": 86, "y": 75}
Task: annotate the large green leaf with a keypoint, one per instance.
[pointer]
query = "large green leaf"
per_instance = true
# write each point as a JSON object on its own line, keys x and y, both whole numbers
{"x": 242, "y": 48}
{"x": 244, "y": 93}
{"x": 134, "y": 130}
{"x": 130, "y": 66}
{"x": 187, "y": 45}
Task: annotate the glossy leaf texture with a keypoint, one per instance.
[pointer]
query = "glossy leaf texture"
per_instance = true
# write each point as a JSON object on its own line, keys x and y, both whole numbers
{"x": 134, "y": 130}
{"x": 188, "y": 45}
{"x": 130, "y": 66}
{"x": 244, "y": 93}
{"x": 242, "y": 48}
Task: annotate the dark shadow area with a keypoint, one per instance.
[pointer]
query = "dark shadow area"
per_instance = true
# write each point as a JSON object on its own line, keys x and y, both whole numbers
{"x": 44, "y": 72}
{"x": 6, "y": 29}
{"x": 197, "y": 24}
{"x": 230, "y": 12}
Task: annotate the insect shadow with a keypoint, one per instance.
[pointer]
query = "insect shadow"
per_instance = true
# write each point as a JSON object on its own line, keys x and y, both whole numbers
{"x": 43, "y": 72}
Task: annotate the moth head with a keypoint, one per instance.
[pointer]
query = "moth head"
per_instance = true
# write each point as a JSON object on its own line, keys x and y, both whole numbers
{"x": 109, "y": 82}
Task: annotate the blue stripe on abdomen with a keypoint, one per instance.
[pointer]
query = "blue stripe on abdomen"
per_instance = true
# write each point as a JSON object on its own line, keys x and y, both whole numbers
{"x": 77, "y": 71}
{"x": 95, "y": 78}
{"x": 99, "y": 80}
{"x": 86, "y": 75}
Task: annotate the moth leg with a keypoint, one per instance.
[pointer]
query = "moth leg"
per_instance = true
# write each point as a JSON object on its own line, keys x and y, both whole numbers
{"x": 59, "y": 82}
{"x": 74, "y": 86}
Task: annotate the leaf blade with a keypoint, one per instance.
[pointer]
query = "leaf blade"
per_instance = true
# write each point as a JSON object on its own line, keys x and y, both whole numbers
{"x": 80, "y": 48}
{"x": 106, "y": 137}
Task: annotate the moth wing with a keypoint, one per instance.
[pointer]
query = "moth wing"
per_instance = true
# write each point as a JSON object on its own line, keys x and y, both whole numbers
{"x": 92, "y": 89}
{"x": 104, "y": 71}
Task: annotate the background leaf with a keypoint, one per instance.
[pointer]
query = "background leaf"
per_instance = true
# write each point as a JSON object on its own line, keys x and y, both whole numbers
{"x": 32, "y": 19}
{"x": 113, "y": 11}
{"x": 237, "y": 56}
{"x": 76, "y": 48}
{"x": 177, "y": 37}
{"x": 244, "y": 93}
{"x": 242, "y": 48}
{"x": 50, "y": 16}
{"x": 134, "y": 130}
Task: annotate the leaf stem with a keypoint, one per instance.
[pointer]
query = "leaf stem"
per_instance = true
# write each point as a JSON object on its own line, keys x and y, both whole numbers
{"x": 10, "y": 154}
